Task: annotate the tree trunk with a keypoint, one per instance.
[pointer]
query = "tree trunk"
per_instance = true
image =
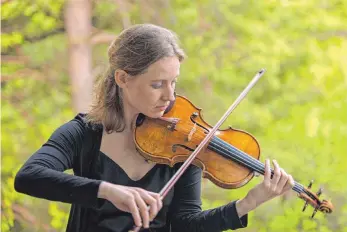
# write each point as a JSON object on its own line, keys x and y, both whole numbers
{"x": 78, "y": 27}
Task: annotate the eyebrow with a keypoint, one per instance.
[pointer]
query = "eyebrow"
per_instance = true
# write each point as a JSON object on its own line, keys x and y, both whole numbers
{"x": 165, "y": 79}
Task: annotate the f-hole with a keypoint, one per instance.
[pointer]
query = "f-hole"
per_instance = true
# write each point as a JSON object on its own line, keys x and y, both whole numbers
{"x": 193, "y": 117}
{"x": 174, "y": 147}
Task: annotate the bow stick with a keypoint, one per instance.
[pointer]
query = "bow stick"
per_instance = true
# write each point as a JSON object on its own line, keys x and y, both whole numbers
{"x": 190, "y": 159}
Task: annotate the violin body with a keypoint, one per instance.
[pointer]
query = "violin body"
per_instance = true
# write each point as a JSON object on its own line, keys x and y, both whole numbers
{"x": 170, "y": 142}
{"x": 229, "y": 158}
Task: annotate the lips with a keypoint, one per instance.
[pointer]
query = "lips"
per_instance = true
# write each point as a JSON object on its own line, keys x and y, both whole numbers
{"x": 162, "y": 107}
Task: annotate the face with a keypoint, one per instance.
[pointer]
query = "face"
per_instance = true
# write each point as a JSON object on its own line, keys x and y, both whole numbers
{"x": 150, "y": 93}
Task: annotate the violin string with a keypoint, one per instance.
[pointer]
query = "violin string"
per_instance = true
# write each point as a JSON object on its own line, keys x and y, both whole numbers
{"x": 258, "y": 165}
{"x": 239, "y": 158}
{"x": 243, "y": 158}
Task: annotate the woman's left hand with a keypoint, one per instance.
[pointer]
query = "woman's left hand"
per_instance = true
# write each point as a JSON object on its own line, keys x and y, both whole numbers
{"x": 280, "y": 183}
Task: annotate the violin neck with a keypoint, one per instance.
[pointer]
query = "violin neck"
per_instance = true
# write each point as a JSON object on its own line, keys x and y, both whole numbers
{"x": 230, "y": 152}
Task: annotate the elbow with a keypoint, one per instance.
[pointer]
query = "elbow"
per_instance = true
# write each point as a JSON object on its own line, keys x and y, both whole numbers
{"x": 22, "y": 179}
{"x": 19, "y": 181}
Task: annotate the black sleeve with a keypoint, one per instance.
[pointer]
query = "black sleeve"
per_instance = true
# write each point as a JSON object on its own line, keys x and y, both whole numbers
{"x": 43, "y": 175}
{"x": 187, "y": 215}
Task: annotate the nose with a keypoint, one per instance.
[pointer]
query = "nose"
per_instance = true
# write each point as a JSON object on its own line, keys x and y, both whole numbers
{"x": 169, "y": 94}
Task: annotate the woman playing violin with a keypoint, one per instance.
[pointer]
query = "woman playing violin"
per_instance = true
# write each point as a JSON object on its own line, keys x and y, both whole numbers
{"x": 113, "y": 185}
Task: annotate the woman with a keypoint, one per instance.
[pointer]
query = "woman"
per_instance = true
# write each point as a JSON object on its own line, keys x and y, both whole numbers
{"x": 113, "y": 185}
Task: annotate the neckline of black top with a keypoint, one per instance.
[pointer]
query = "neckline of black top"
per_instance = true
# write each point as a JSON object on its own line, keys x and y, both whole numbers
{"x": 142, "y": 179}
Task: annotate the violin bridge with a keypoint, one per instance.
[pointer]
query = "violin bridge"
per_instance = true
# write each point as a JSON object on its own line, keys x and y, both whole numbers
{"x": 190, "y": 135}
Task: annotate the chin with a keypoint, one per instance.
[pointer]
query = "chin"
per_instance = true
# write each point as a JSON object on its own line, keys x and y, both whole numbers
{"x": 154, "y": 114}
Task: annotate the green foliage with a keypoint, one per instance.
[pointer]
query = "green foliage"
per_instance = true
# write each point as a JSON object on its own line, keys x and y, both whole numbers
{"x": 59, "y": 217}
{"x": 297, "y": 111}
{"x": 26, "y": 20}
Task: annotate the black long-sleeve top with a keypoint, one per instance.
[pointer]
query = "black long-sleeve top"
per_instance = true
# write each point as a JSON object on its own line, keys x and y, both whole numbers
{"x": 76, "y": 145}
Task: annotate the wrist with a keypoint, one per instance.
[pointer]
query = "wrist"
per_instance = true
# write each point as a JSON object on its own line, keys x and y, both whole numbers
{"x": 245, "y": 205}
{"x": 255, "y": 198}
{"x": 103, "y": 190}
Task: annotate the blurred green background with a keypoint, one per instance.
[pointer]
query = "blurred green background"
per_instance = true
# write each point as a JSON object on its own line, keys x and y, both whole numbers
{"x": 297, "y": 111}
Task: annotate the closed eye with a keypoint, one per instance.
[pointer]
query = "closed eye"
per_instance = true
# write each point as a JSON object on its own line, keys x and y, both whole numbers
{"x": 157, "y": 84}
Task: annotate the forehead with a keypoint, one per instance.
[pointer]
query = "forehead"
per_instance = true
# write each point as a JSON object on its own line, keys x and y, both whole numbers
{"x": 167, "y": 67}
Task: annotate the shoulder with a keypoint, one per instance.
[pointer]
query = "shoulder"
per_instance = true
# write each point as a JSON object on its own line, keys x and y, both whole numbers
{"x": 76, "y": 129}
{"x": 80, "y": 119}
{"x": 80, "y": 122}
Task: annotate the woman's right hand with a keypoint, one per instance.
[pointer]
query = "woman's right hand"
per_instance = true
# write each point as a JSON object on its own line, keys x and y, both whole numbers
{"x": 132, "y": 200}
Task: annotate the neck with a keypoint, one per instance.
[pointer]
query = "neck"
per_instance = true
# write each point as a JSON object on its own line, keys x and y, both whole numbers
{"x": 130, "y": 115}
{"x": 125, "y": 137}
{"x": 230, "y": 152}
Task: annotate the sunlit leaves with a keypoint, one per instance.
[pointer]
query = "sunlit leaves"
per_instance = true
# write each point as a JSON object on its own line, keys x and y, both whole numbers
{"x": 297, "y": 111}
{"x": 58, "y": 215}
{"x": 28, "y": 19}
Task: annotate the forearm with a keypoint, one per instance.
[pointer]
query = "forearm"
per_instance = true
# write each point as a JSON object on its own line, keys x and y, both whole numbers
{"x": 42, "y": 182}
{"x": 212, "y": 220}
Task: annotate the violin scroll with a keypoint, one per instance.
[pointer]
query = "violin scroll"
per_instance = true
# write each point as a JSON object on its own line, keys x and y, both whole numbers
{"x": 313, "y": 199}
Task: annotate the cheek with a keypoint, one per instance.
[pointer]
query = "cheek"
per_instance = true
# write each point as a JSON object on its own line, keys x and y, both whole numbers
{"x": 145, "y": 97}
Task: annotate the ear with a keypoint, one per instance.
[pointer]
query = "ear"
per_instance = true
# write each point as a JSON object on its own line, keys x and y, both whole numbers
{"x": 120, "y": 77}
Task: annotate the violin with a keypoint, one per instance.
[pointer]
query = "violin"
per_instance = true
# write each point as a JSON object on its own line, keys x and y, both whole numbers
{"x": 229, "y": 158}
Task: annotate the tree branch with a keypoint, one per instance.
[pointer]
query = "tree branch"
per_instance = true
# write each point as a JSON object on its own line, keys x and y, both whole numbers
{"x": 123, "y": 11}
{"x": 14, "y": 59}
{"x": 102, "y": 37}
{"x": 4, "y": 1}
{"x": 329, "y": 34}
{"x": 24, "y": 215}
{"x": 30, "y": 73}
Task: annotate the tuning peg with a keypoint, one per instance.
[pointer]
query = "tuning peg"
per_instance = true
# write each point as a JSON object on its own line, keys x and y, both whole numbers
{"x": 318, "y": 194}
{"x": 306, "y": 203}
{"x": 319, "y": 191}
{"x": 315, "y": 211}
{"x": 310, "y": 184}
{"x": 303, "y": 209}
